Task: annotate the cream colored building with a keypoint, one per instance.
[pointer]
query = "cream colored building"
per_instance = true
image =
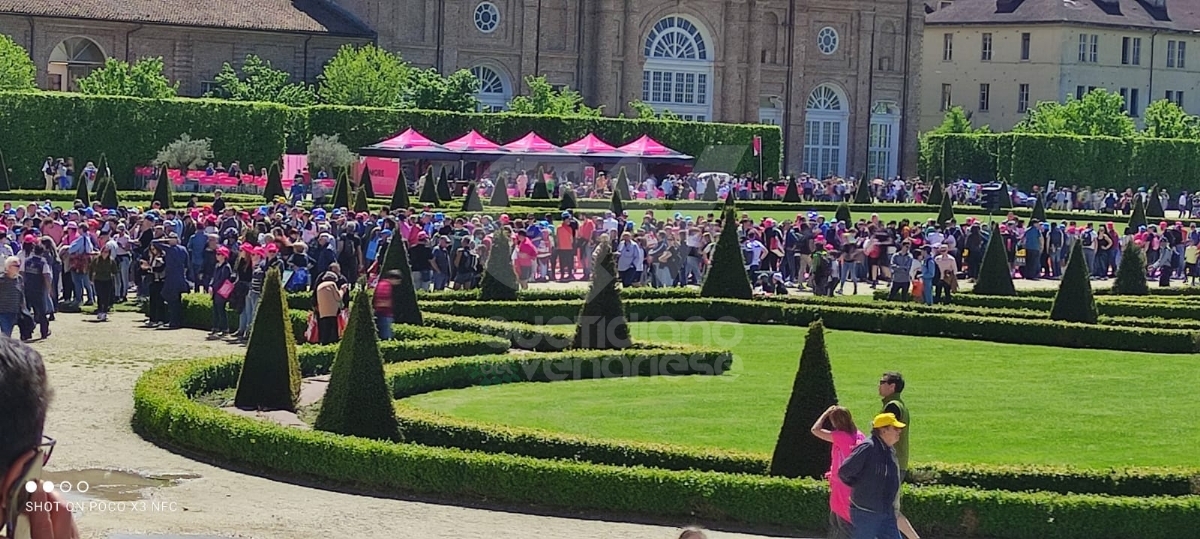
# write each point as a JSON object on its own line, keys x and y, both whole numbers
{"x": 997, "y": 58}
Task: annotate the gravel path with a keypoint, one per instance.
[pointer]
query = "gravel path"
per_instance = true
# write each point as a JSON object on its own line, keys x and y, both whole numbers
{"x": 92, "y": 368}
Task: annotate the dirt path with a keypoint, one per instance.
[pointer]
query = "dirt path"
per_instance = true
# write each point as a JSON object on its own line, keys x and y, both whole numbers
{"x": 92, "y": 368}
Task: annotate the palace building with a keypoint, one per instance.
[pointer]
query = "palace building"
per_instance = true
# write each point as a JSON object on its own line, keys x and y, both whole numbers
{"x": 841, "y": 79}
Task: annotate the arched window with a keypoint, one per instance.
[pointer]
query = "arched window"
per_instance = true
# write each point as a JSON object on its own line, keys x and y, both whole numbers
{"x": 494, "y": 91}
{"x": 679, "y": 69}
{"x": 73, "y": 58}
{"x": 825, "y": 124}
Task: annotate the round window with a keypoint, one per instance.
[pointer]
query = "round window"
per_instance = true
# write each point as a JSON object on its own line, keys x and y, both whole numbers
{"x": 827, "y": 40}
{"x": 487, "y": 17}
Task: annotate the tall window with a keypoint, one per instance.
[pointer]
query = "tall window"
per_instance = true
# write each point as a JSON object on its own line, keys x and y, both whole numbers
{"x": 1080, "y": 91}
{"x": 947, "y": 47}
{"x": 1089, "y": 45}
{"x": 881, "y": 150}
{"x": 678, "y": 70}
{"x": 1023, "y": 98}
{"x": 1175, "y": 97}
{"x": 494, "y": 91}
{"x": 1025, "y": 42}
{"x": 1175, "y": 53}
{"x": 985, "y": 47}
{"x": 71, "y": 60}
{"x": 825, "y": 133}
{"x": 1133, "y": 102}
{"x": 985, "y": 97}
{"x": 1131, "y": 51}
{"x": 1083, "y": 47}
{"x": 1094, "y": 54}
{"x": 945, "y": 97}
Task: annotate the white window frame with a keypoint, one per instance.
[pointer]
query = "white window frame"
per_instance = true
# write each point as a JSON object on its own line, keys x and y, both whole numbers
{"x": 689, "y": 90}
{"x": 985, "y": 97}
{"x": 985, "y": 47}
{"x": 948, "y": 47}
{"x": 1022, "y": 98}
{"x": 822, "y": 154}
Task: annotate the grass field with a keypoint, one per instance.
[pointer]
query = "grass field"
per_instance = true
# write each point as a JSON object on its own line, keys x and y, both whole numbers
{"x": 971, "y": 402}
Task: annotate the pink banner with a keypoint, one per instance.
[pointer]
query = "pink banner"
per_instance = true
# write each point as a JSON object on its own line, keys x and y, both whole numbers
{"x": 294, "y": 164}
{"x": 384, "y": 172}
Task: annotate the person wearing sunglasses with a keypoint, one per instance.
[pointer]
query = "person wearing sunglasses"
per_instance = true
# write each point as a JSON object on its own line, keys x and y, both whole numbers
{"x": 24, "y": 450}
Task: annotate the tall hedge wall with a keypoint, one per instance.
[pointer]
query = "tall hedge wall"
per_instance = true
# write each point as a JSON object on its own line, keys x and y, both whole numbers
{"x": 130, "y": 131}
{"x": 1031, "y": 159}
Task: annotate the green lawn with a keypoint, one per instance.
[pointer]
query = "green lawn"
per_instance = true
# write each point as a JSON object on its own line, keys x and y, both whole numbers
{"x": 757, "y": 215}
{"x": 971, "y": 402}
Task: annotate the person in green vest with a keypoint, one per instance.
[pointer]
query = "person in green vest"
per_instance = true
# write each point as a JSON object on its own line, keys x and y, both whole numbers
{"x": 891, "y": 385}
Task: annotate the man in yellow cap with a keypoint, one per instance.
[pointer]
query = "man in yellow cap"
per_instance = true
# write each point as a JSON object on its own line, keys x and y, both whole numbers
{"x": 873, "y": 475}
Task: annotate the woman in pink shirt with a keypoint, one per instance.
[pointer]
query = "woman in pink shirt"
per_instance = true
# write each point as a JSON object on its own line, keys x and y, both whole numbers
{"x": 844, "y": 436}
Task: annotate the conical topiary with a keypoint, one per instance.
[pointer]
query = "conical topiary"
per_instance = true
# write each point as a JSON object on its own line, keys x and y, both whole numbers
{"x": 727, "y": 277}
{"x": 797, "y": 452}
{"x": 81, "y": 190}
{"x": 108, "y": 198}
{"x": 98, "y": 186}
{"x": 994, "y": 276}
{"x": 936, "y": 193}
{"x": 358, "y": 401}
{"x": 730, "y": 199}
{"x": 443, "y": 186}
{"x": 5, "y": 181}
{"x": 540, "y": 189}
{"x": 1131, "y": 273}
{"x": 360, "y": 201}
{"x": 499, "y": 279}
{"x": 1074, "y": 301}
{"x": 1005, "y": 196}
{"x": 843, "y": 214}
{"x": 500, "y": 193}
{"x": 568, "y": 200}
{"x": 1039, "y": 210}
{"x": 270, "y": 378}
{"x": 616, "y": 206}
{"x": 404, "y": 298}
{"x": 364, "y": 181}
{"x": 862, "y": 194}
{"x": 1154, "y": 208}
{"x": 601, "y": 324}
{"x": 162, "y": 190}
{"x": 400, "y": 194}
{"x": 429, "y": 194}
{"x": 1137, "y": 218}
{"x": 623, "y": 185}
{"x": 341, "y": 191}
{"x": 472, "y": 201}
{"x": 710, "y": 190}
{"x": 274, "y": 187}
{"x": 946, "y": 213}
{"x": 792, "y": 194}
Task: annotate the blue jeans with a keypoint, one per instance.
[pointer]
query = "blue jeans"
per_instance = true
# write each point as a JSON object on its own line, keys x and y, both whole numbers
{"x": 927, "y": 293}
{"x": 872, "y": 525}
{"x": 8, "y": 321}
{"x": 384, "y": 325}
{"x": 82, "y": 283}
{"x": 246, "y": 320}
{"x": 849, "y": 270}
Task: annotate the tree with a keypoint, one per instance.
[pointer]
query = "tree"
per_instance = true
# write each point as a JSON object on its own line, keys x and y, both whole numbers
{"x": 797, "y": 452}
{"x": 499, "y": 279}
{"x": 727, "y": 277}
{"x": 568, "y": 200}
{"x": 1100, "y": 112}
{"x": 358, "y": 401}
{"x": 185, "y": 153}
{"x": 429, "y": 194}
{"x": 258, "y": 81}
{"x": 366, "y": 76}
{"x": 108, "y": 197}
{"x": 710, "y": 190}
{"x": 17, "y": 71}
{"x": 1131, "y": 273}
{"x": 994, "y": 276}
{"x": 326, "y": 153}
{"x": 1165, "y": 119}
{"x": 642, "y": 110}
{"x": 429, "y": 90}
{"x": 545, "y": 99}
{"x": 81, "y": 191}
{"x": 622, "y": 185}
{"x": 142, "y": 79}
{"x": 1137, "y": 218}
{"x": 341, "y": 191}
{"x": 936, "y": 192}
{"x": 1154, "y": 208}
{"x": 364, "y": 181}
{"x": 1039, "y": 209}
{"x": 862, "y": 195}
{"x": 400, "y": 193}
{"x": 1074, "y": 301}
{"x": 615, "y": 204}
{"x": 792, "y": 194}
{"x": 957, "y": 120}
{"x": 946, "y": 213}
{"x": 270, "y": 378}
{"x": 540, "y": 190}
{"x": 361, "y": 204}
{"x": 842, "y": 215}
{"x": 162, "y": 190}
{"x": 274, "y": 186}
{"x": 404, "y": 297}
{"x": 601, "y": 324}
{"x": 472, "y": 201}
{"x": 499, "y": 193}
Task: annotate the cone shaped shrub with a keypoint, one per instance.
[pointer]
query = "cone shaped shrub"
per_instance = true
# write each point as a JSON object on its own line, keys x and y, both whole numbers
{"x": 1074, "y": 301}
{"x": 270, "y": 378}
{"x": 274, "y": 187}
{"x": 623, "y": 185}
{"x": 364, "y": 181}
{"x": 162, "y": 190}
{"x": 792, "y": 194}
{"x": 360, "y": 201}
{"x": 81, "y": 190}
{"x": 1131, "y": 273}
{"x": 499, "y": 279}
{"x": 797, "y": 452}
{"x": 1039, "y": 210}
{"x": 5, "y": 182}
{"x": 1005, "y": 196}
{"x": 1154, "y": 208}
{"x": 568, "y": 200}
{"x": 540, "y": 190}
{"x": 341, "y": 192}
{"x": 108, "y": 197}
{"x": 472, "y": 201}
{"x": 400, "y": 194}
{"x": 1137, "y": 218}
{"x": 994, "y": 276}
{"x": 730, "y": 199}
{"x": 727, "y": 277}
{"x": 946, "y": 213}
{"x": 616, "y": 206}
{"x": 443, "y": 186}
{"x": 358, "y": 401}
{"x": 862, "y": 194}
{"x": 601, "y": 324}
{"x": 843, "y": 214}
{"x": 936, "y": 193}
{"x": 710, "y": 190}
{"x": 404, "y": 297}
{"x": 500, "y": 193}
{"x": 429, "y": 194}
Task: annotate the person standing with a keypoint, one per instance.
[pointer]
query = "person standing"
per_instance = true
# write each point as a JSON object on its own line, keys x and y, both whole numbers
{"x": 946, "y": 278}
{"x": 901, "y": 264}
{"x": 12, "y": 295}
{"x": 327, "y": 302}
{"x": 629, "y": 260}
{"x": 103, "y": 273}
{"x": 844, "y": 437}
{"x": 382, "y": 302}
{"x": 221, "y": 274}
{"x": 891, "y": 386}
{"x": 1032, "y": 241}
{"x": 38, "y": 280}
{"x": 872, "y": 472}
{"x": 175, "y": 258}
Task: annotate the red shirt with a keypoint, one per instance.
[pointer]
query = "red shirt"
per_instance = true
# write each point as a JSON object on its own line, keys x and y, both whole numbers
{"x": 383, "y": 298}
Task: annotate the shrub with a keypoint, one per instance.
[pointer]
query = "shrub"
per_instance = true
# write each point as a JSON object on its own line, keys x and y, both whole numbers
{"x": 341, "y": 190}
{"x": 862, "y": 193}
{"x": 443, "y": 186}
{"x": 1154, "y": 207}
{"x": 404, "y": 297}
{"x": 472, "y": 201}
{"x": 843, "y": 214}
{"x": 1131, "y": 273}
{"x": 274, "y": 187}
{"x": 429, "y": 188}
{"x": 18, "y": 72}
{"x": 358, "y": 402}
{"x": 500, "y": 193}
{"x": 162, "y": 189}
{"x": 567, "y": 201}
{"x": 617, "y": 208}
{"x": 622, "y": 185}
{"x": 1006, "y": 197}
{"x": 326, "y": 153}
{"x": 994, "y": 276}
{"x": 792, "y": 194}
{"x": 946, "y": 213}
{"x": 499, "y": 279}
{"x": 400, "y": 194}
{"x": 364, "y": 181}
{"x": 937, "y": 192}
{"x": 710, "y": 190}
{"x": 270, "y": 377}
{"x": 81, "y": 191}
{"x": 1074, "y": 301}
{"x": 108, "y": 198}
{"x": 798, "y": 453}
{"x": 1039, "y": 210}
{"x": 727, "y": 277}
{"x": 540, "y": 190}
{"x": 1137, "y": 218}
{"x": 601, "y": 324}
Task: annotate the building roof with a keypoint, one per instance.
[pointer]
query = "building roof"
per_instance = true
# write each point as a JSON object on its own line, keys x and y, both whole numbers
{"x": 300, "y": 16}
{"x": 1177, "y": 15}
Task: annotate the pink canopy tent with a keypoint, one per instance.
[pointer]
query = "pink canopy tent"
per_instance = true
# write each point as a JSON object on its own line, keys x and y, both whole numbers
{"x": 650, "y": 149}
{"x": 532, "y": 144}
{"x": 409, "y": 144}
{"x": 474, "y": 143}
{"x": 592, "y": 146}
